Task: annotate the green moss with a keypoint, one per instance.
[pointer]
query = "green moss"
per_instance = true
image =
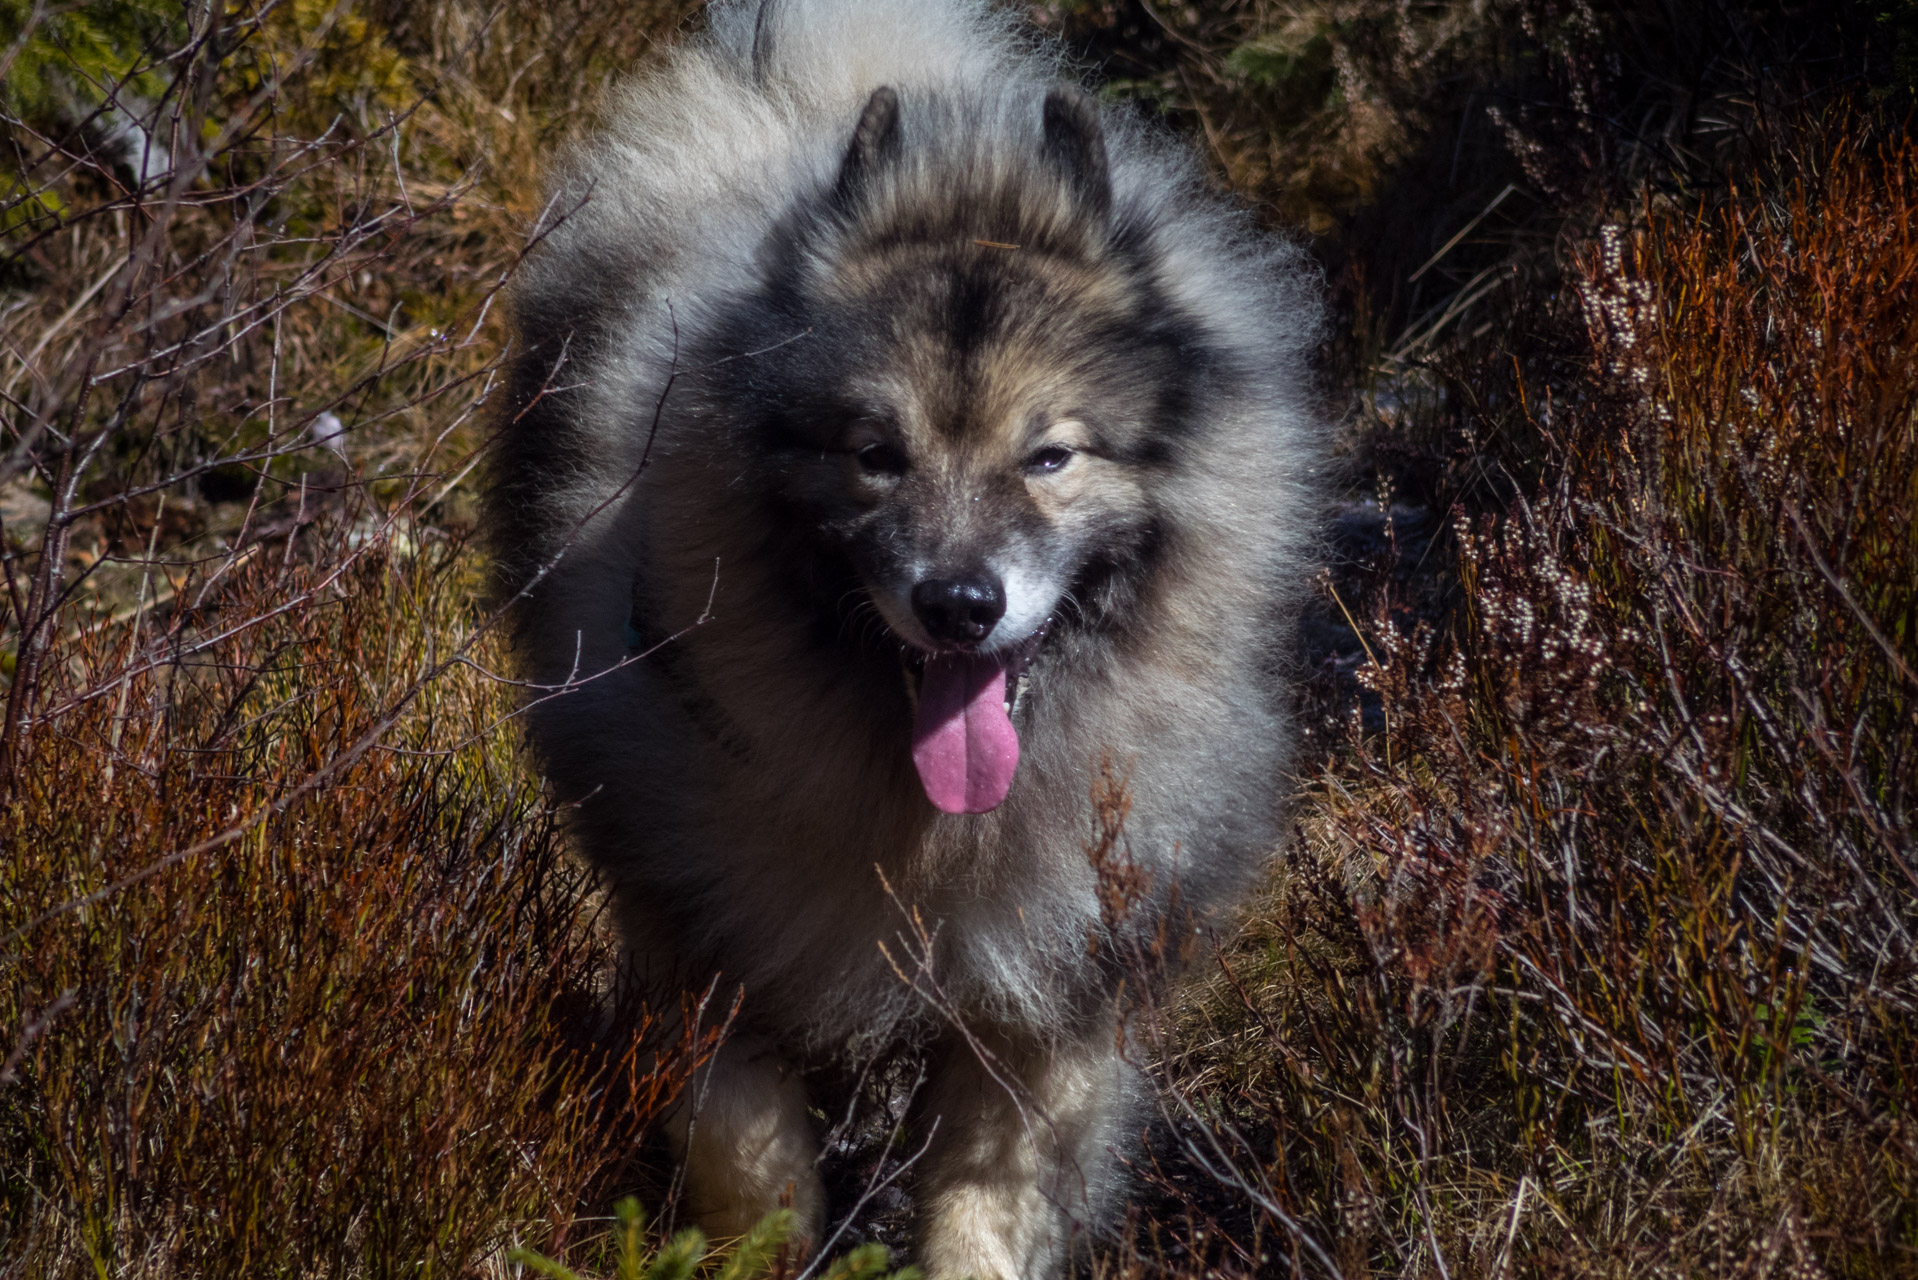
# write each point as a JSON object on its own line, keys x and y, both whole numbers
{"x": 72, "y": 58}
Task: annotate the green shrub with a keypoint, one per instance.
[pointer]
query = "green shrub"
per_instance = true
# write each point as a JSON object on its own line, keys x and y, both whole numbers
{"x": 761, "y": 1252}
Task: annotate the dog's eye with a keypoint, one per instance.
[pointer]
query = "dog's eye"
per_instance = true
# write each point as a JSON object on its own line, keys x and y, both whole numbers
{"x": 1049, "y": 459}
{"x": 882, "y": 460}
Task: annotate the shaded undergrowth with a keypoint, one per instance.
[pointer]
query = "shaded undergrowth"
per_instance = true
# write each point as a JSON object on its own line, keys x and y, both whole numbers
{"x": 1595, "y": 956}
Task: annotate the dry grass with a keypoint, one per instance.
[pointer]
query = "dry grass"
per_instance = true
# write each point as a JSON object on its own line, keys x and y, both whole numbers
{"x": 297, "y": 976}
{"x": 294, "y": 975}
{"x": 1594, "y": 956}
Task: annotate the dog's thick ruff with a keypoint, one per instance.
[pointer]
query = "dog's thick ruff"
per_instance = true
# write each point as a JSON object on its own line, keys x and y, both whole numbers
{"x": 861, "y": 359}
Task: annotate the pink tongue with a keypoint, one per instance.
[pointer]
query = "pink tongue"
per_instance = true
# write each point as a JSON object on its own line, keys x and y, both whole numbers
{"x": 962, "y": 738}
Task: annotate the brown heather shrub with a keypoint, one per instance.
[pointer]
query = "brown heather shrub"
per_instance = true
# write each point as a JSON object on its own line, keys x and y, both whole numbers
{"x": 297, "y": 976}
{"x": 1596, "y": 958}
{"x": 294, "y": 975}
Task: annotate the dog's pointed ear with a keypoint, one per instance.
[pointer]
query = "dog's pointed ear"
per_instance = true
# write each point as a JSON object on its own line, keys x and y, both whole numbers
{"x": 875, "y": 144}
{"x": 1076, "y": 146}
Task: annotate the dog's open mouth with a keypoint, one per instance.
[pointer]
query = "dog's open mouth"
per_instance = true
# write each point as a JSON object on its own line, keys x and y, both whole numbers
{"x": 963, "y": 742}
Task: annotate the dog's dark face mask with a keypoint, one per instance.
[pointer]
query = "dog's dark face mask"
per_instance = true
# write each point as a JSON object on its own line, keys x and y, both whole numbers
{"x": 985, "y": 396}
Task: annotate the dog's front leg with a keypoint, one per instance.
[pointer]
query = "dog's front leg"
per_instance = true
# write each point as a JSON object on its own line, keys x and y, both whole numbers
{"x": 1021, "y": 1155}
{"x": 742, "y": 1132}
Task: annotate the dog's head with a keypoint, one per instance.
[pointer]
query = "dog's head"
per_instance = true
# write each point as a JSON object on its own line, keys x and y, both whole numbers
{"x": 965, "y": 381}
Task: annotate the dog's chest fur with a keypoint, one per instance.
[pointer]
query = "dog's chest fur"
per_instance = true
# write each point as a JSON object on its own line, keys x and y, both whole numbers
{"x": 806, "y": 843}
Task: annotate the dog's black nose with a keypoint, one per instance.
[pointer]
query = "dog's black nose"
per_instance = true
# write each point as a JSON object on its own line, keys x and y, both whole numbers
{"x": 959, "y": 610}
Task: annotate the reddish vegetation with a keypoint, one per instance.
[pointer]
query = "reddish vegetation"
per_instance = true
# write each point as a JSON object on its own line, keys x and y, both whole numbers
{"x": 1597, "y": 957}
{"x": 309, "y": 976}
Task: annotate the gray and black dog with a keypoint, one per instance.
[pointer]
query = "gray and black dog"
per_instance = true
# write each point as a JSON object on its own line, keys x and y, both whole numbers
{"x": 977, "y": 439}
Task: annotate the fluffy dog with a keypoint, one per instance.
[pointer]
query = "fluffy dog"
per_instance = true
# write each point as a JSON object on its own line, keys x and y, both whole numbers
{"x": 898, "y": 439}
